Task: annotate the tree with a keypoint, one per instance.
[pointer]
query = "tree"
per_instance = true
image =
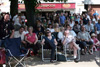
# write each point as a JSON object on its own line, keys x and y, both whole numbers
{"x": 30, "y": 6}
{"x": 13, "y": 7}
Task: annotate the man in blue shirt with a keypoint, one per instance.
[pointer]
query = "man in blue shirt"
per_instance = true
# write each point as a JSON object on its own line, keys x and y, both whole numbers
{"x": 98, "y": 27}
{"x": 62, "y": 19}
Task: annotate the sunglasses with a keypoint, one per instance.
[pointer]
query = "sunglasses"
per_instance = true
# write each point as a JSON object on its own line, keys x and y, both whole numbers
{"x": 48, "y": 32}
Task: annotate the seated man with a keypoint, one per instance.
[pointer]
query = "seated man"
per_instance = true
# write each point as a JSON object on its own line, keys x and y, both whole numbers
{"x": 84, "y": 39}
{"x": 20, "y": 33}
{"x": 69, "y": 39}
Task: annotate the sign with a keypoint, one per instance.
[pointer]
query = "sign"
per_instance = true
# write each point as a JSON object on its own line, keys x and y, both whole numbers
{"x": 51, "y": 6}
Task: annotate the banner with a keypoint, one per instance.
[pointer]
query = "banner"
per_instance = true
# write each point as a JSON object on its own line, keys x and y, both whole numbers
{"x": 51, "y": 6}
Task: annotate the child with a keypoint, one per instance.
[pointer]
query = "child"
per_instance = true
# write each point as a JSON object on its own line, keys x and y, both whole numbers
{"x": 95, "y": 41}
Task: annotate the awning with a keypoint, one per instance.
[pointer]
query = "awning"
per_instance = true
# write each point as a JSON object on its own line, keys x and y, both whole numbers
{"x": 51, "y": 6}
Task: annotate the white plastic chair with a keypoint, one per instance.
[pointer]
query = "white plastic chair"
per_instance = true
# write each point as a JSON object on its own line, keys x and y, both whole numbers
{"x": 66, "y": 49}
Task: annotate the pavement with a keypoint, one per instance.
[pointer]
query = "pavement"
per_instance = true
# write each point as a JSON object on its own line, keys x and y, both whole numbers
{"x": 85, "y": 61}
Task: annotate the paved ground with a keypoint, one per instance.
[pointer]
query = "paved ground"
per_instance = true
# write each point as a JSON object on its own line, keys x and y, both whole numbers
{"x": 86, "y": 61}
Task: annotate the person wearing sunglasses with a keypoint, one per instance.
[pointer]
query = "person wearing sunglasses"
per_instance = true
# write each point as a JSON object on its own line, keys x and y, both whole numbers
{"x": 50, "y": 43}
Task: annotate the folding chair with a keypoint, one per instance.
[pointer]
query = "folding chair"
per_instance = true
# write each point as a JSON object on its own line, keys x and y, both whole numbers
{"x": 43, "y": 53}
{"x": 46, "y": 59}
{"x": 67, "y": 50}
{"x": 13, "y": 50}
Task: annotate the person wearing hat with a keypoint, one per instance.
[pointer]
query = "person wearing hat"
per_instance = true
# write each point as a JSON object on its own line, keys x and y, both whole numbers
{"x": 95, "y": 41}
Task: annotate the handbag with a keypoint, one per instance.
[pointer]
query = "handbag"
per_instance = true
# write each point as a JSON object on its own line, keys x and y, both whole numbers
{"x": 61, "y": 57}
{"x": 2, "y": 56}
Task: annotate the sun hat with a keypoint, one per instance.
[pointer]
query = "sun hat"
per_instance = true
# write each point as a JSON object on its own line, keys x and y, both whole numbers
{"x": 93, "y": 34}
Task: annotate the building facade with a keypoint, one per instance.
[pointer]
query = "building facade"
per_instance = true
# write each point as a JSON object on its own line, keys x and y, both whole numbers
{"x": 4, "y": 6}
{"x": 72, "y": 6}
{"x": 92, "y": 6}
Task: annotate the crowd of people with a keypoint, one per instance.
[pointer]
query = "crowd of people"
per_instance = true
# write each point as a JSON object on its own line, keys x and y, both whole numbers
{"x": 66, "y": 29}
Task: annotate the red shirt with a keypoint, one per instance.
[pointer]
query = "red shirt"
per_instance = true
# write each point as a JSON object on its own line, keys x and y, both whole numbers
{"x": 31, "y": 38}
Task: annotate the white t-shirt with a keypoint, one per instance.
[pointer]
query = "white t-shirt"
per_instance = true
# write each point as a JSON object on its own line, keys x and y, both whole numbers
{"x": 69, "y": 39}
{"x": 23, "y": 18}
{"x": 16, "y": 22}
{"x": 25, "y": 32}
{"x": 88, "y": 17}
{"x": 14, "y": 18}
{"x": 51, "y": 30}
{"x": 17, "y": 35}
{"x": 95, "y": 20}
{"x": 60, "y": 35}
{"x": 72, "y": 24}
{"x": 72, "y": 33}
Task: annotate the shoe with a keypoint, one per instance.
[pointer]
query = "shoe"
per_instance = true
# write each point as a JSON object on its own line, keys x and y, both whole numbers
{"x": 31, "y": 53}
{"x": 82, "y": 53}
{"x": 51, "y": 61}
{"x": 90, "y": 53}
{"x": 76, "y": 60}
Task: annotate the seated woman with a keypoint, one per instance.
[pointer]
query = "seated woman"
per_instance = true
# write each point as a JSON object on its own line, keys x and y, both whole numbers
{"x": 32, "y": 41}
{"x": 95, "y": 41}
{"x": 50, "y": 43}
{"x": 69, "y": 39}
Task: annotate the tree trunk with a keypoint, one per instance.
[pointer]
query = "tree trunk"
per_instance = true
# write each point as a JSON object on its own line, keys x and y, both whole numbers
{"x": 30, "y": 13}
{"x": 13, "y": 7}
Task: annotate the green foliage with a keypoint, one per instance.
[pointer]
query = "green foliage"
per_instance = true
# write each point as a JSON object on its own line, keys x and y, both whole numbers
{"x": 33, "y": 3}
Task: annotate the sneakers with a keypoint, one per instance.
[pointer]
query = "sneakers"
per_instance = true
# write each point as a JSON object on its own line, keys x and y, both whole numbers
{"x": 76, "y": 60}
{"x": 52, "y": 61}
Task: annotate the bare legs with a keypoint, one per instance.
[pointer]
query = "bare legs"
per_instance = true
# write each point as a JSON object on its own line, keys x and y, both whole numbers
{"x": 75, "y": 47}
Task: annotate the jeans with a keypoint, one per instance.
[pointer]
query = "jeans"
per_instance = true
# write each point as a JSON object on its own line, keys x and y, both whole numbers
{"x": 1, "y": 43}
{"x": 83, "y": 44}
{"x": 52, "y": 47}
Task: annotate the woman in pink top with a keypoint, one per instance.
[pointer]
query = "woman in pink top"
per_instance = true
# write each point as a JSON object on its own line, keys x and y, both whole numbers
{"x": 32, "y": 41}
{"x": 95, "y": 41}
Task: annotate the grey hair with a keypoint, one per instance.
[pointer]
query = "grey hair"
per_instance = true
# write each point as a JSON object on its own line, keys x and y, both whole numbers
{"x": 30, "y": 27}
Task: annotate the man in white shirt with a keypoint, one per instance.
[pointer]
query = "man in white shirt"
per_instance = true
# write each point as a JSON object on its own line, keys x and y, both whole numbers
{"x": 19, "y": 33}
